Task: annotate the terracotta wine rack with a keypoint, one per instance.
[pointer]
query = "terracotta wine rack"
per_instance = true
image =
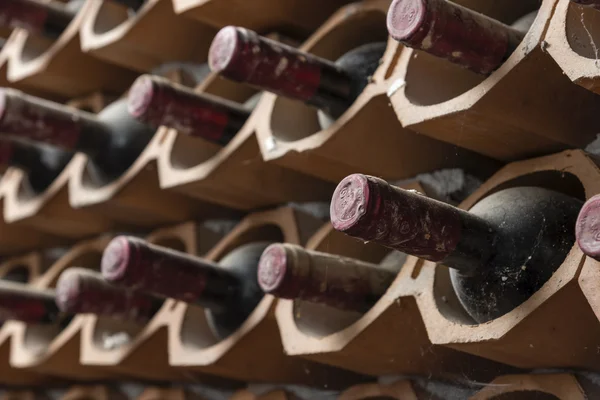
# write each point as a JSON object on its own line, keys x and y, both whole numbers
{"x": 234, "y": 175}
{"x": 349, "y": 340}
{"x": 131, "y": 358}
{"x": 53, "y": 350}
{"x": 254, "y": 352}
{"x": 50, "y": 210}
{"x": 296, "y": 17}
{"x": 15, "y": 238}
{"x": 60, "y": 67}
{"x": 571, "y": 39}
{"x": 550, "y": 386}
{"x": 133, "y": 41}
{"x": 532, "y": 335}
{"x": 368, "y": 136}
{"x": 30, "y": 267}
{"x": 526, "y": 108}
{"x": 135, "y": 198}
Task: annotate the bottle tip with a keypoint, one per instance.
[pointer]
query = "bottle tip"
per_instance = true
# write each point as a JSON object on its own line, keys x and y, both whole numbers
{"x": 405, "y": 18}
{"x": 587, "y": 228}
{"x": 272, "y": 270}
{"x": 115, "y": 259}
{"x": 69, "y": 290}
{"x": 223, "y": 49}
{"x": 349, "y": 202}
{"x": 140, "y": 96}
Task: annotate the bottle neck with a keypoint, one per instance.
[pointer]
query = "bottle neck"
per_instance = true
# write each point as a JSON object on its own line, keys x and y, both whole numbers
{"x": 371, "y": 209}
{"x": 41, "y": 121}
{"x": 156, "y": 101}
{"x": 291, "y": 272}
{"x": 22, "y": 303}
{"x": 36, "y": 17}
{"x": 458, "y": 34}
{"x": 139, "y": 265}
{"x": 244, "y": 56}
{"x": 81, "y": 290}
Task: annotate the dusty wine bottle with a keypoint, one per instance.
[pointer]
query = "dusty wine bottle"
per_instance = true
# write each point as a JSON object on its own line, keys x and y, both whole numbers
{"x": 83, "y": 291}
{"x": 24, "y": 303}
{"x": 244, "y": 56}
{"x": 228, "y": 290}
{"x": 112, "y": 140}
{"x": 41, "y": 164}
{"x": 450, "y": 31}
{"x": 156, "y": 101}
{"x": 48, "y": 19}
{"x": 288, "y": 271}
{"x": 588, "y": 3}
{"x": 500, "y": 252}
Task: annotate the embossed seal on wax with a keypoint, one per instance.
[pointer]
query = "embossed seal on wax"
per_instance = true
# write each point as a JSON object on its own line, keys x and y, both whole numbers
{"x": 272, "y": 271}
{"x": 587, "y": 229}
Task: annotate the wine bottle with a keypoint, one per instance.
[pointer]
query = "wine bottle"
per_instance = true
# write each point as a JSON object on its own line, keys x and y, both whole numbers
{"x": 244, "y": 56}
{"x": 83, "y": 291}
{"x": 48, "y": 19}
{"x": 156, "y": 101}
{"x": 288, "y": 271}
{"x": 24, "y": 303}
{"x": 228, "y": 290}
{"x": 588, "y": 3}
{"x": 41, "y": 164}
{"x": 112, "y": 140}
{"x": 500, "y": 252}
{"x": 453, "y": 32}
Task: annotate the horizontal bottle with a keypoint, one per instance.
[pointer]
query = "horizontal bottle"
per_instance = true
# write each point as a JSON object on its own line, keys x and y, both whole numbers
{"x": 288, "y": 271}
{"x": 588, "y": 3}
{"x": 112, "y": 140}
{"x": 24, "y": 303}
{"x": 499, "y": 253}
{"x": 41, "y": 164}
{"x": 83, "y": 291}
{"x": 48, "y": 19}
{"x": 244, "y": 56}
{"x": 156, "y": 101}
{"x": 228, "y": 290}
{"x": 453, "y": 32}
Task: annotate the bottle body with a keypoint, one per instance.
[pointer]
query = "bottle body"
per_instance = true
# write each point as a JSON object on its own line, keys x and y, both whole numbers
{"x": 41, "y": 164}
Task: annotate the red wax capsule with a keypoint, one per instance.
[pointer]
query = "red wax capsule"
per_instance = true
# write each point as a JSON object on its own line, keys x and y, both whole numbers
{"x": 157, "y": 101}
{"x": 291, "y": 272}
{"x": 448, "y": 30}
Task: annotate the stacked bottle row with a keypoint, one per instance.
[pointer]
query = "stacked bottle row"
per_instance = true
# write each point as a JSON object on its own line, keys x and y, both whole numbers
{"x": 547, "y": 386}
{"x": 285, "y": 297}
{"x": 165, "y": 153}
